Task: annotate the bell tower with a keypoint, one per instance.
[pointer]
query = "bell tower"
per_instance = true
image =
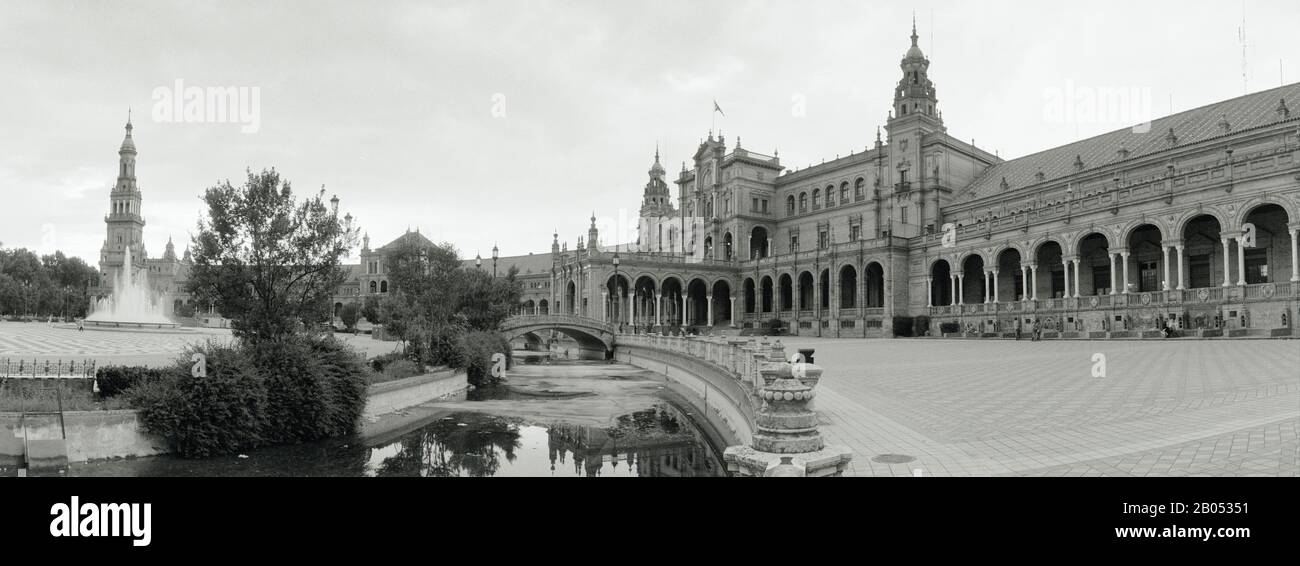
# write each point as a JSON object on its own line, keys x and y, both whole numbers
{"x": 124, "y": 222}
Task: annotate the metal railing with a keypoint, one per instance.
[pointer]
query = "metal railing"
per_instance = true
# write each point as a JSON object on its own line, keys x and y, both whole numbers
{"x": 22, "y": 368}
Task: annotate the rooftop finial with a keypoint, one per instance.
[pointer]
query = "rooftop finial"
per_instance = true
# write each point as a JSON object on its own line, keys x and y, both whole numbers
{"x": 914, "y": 29}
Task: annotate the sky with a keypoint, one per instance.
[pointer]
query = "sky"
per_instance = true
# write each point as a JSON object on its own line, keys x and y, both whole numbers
{"x": 499, "y": 122}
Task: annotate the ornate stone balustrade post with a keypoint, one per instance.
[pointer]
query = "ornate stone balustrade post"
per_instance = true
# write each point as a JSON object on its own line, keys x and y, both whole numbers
{"x": 787, "y": 442}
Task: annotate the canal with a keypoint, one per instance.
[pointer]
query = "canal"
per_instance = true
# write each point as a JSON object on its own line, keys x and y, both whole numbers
{"x": 553, "y": 418}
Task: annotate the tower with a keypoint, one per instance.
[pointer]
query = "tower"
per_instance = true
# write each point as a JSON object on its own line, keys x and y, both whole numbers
{"x": 915, "y": 116}
{"x": 655, "y": 229}
{"x": 124, "y": 222}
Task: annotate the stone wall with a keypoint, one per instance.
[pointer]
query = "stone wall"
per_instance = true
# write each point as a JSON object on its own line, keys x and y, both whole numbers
{"x": 726, "y": 397}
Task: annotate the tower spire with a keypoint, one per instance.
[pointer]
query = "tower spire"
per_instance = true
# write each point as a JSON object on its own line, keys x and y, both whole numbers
{"x": 914, "y": 28}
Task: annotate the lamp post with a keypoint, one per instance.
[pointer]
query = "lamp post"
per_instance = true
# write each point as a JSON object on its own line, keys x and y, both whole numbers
{"x": 494, "y": 261}
{"x": 478, "y": 261}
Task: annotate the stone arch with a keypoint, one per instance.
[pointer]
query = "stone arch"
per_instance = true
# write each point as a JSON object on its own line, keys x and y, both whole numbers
{"x": 848, "y": 281}
{"x": 1245, "y": 208}
{"x": 807, "y": 290}
{"x": 1187, "y": 217}
{"x": 873, "y": 284}
{"x": 785, "y": 292}
{"x": 750, "y": 293}
{"x": 1127, "y": 229}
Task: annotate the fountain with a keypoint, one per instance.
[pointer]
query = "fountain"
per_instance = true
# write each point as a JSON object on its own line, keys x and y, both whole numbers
{"x": 131, "y": 305}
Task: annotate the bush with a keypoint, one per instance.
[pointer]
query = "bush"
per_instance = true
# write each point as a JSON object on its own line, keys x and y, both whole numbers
{"x": 920, "y": 325}
{"x": 203, "y": 416}
{"x": 402, "y": 369}
{"x": 378, "y": 363}
{"x": 903, "y": 326}
{"x": 349, "y": 314}
{"x": 949, "y": 327}
{"x": 301, "y": 389}
{"x": 114, "y": 380}
{"x": 445, "y": 347}
{"x": 315, "y": 388}
{"x": 476, "y": 350}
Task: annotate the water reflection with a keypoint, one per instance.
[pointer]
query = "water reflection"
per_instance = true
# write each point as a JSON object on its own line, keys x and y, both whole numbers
{"x": 653, "y": 442}
{"x": 661, "y": 441}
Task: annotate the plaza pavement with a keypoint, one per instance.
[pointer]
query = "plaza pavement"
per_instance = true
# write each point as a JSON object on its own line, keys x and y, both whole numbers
{"x": 39, "y": 341}
{"x": 998, "y": 407}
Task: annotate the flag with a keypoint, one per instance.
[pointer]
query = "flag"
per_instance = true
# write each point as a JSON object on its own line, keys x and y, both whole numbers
{"x": 718, "y": 109}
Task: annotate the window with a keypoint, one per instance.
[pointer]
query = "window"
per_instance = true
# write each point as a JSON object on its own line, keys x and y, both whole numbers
{"x": 383, "y": 286}
{"x": 754, "y": 205}
{"x": 794, "y": 243}
{"x": 789, "y": 204}
{"x": 823, "y": 239}
{"x": 844, "y": 193}
{"x": 830, "y": 197}
{"x": 1256, "y": 261}
{"x": 374, "y": 287}
{"x": 764, "y": 203}
{"x": 855, "y": 232}
{"x": 817, "y": 199}
{"x": 803, "y": 202}
{"x": 858, "y": 189}
{"x": 902, "y": 213}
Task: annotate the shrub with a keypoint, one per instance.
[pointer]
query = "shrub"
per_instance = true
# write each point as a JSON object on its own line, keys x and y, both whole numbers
{"x": 202, "y": 416}
{"x": 315, "y": 388}
{"x": 300, "y": 389}
{"x": 113, "y": 380}
{"x": 401, "y": 369}
{"x": 349, "y": 314}
{"x": 477, "y": 349}
{"x": 445, "y": 347}
{"x": 920, "y": 325}
{"x": 903, "y": 326}
{"x": 949, "y": 327}
{"x": 378, "y": 363}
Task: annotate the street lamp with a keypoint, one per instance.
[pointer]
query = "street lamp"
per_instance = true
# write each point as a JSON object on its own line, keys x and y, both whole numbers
{"x": 478, "y": 261}
{"x": 494, "y": 261}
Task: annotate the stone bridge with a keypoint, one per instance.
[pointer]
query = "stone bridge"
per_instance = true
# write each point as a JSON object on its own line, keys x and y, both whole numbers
{"x": 595, "y": 338}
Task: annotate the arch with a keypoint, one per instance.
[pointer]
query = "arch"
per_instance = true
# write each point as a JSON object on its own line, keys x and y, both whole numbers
{"x": 830, "y": 196}
{"x": 973, "y": 282}
{"x": 1010, "y": 277}
{"x": 696, "y": 302}
{"x": 1050, "y": 276}
{"x": 708, "y": 247}
{"x": 674, "y": 297}
{"x": 803, "y": 201}
{"x": 728, "y": 246}
{"x": 873, "y": 281}
{"x": 1255, "y": 202}
{"x": 789, "y": 205}
{"x": 543, "y": 307}
{"x": 722, "y": 302}
{"x": 785, "y": 292}
{"x": 1269, "y": 259}
{"x": 758, "y": 242}
{"x": 765, "y": 287}
{"x": 338, "y": 307}
{"x": 941, "y": 282}
{"x": 374, "y": 287}
{"x": 644, "y": 292}
{"x": 1186, "y": 219}
{"x": 383, "y": 286}
{"x": 529, "y": 307}
{"x": 749, "y": 295}
{"x": 1144, "y": 242}
{"x": 806, "y": 294}
{"x": 859, "y": 189}
{"x": 594, "y": 341}
{"x": 844, "y": 193}
{"x": 1093, "y": 252}
{"x": 570, "y": 294}
{"x": 1202, "y": 252}
{"x": 848, "y": 287}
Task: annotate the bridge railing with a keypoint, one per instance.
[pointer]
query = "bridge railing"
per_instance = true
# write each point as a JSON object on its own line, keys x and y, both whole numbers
{"x": 743, "y": 359}
{"x": 574, "y": 319}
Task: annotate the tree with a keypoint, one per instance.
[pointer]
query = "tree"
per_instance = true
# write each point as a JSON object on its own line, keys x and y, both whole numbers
{"x": 372, "y": 310}
{"x": 349, "y": 314}
{"x": 267, "y": 261}
{"x": 487, "y": 300}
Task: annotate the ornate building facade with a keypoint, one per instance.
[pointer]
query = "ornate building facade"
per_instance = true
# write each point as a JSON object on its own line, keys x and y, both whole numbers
{"x": 1190, "y": 221}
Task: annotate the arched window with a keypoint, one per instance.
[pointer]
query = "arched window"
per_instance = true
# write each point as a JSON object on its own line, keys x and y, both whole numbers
{"x": 789, "y": 204}
{"x": 817, "y": 199}
{"x": 383, "y": 286}
{"x": 374, "y": 288}
{"x": 844, "y": 192}
{"x": 859, "y": 188}
{"x": 830, "y": 196}
{"x": 803, "y": 202}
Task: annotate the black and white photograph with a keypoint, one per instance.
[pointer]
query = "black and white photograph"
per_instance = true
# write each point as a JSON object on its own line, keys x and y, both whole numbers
{"x": 563, "y": 239}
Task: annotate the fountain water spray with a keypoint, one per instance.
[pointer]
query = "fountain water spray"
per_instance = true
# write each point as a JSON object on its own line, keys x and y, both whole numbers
{"x": 131, "y": 303}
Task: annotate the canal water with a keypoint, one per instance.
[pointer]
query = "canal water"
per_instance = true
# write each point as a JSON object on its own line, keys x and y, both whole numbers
{"x": 553, "y": 418}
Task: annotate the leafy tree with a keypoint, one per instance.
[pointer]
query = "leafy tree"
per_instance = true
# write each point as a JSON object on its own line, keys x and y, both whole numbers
{"x": 349, "y": 314}
{"x": 266, "y": 260}
{"x": 372, "y": 310}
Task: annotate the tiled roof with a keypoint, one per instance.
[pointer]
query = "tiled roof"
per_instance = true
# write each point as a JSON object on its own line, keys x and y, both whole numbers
{"x": 1192, "y": 126}
{"x": 531, "y": 264}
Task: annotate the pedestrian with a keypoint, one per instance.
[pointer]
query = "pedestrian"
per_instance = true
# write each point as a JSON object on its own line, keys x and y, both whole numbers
{"x": 1017, "y": 329}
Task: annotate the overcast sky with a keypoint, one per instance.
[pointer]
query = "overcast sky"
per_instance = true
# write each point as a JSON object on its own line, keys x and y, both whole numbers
{"x": 483, "y": 122}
